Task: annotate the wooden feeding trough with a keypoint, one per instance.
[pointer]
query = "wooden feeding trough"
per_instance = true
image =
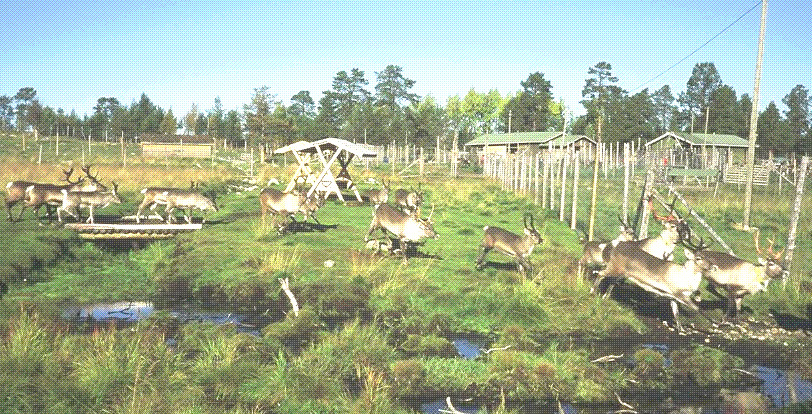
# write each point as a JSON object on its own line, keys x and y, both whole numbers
{"x": 325, "y": 152}
{"x": 130, "y": 231}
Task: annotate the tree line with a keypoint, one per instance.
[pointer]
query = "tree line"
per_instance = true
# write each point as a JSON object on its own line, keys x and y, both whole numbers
{"x": 390, "y": 112}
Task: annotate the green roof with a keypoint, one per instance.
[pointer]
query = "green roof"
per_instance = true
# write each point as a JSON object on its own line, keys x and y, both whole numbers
{"x": 714, "y": 140}
{"x": 525, "y": 138}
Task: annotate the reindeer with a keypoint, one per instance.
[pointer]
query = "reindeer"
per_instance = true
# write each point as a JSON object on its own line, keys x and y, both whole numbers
{"x": 50, "y": 195}
{"x": 311, "y": 205}
{"x": 95, "y": 184}
{"x": 153, "y": 196}
{"x": 406, "y": 227}
{"x": 186, "y": 199}
{"x": 511, "y": 244}
{"x": 409, "y": 201}
{"x": 280, "y": 203}
{"x": 739, "y": 277}
{"x": 662, "y": 246}
{"x": 15, "y": 192}
{"x": 593, "y": 250}
{"x": 73, "y": 200}
{"x": 381, "y": 195}
{"x": 656, "y": 275}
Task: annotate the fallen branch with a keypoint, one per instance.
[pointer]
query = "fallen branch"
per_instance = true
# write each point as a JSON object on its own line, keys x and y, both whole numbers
{"x": 488, "y": 351}
{"x": 608, "y": 358}
{"x": 629, "y": 406}
{"x": 293, "y": 303}
{"x": 451, "y": 409}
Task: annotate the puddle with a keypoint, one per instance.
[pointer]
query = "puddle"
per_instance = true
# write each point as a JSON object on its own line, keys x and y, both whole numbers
{"x": 131, "y": 312}
{"x": 239, "y": 321}
{"x": 440, "y": 406}
{"x": 781, "y": 387}
{"x": 118, "y": 311}
{"x": 469, "y": 346}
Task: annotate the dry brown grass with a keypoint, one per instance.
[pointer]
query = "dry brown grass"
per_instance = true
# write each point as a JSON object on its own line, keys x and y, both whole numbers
{"x": 130, "y": 178}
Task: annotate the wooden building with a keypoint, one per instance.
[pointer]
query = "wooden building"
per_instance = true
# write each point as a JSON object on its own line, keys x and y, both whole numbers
{"x": 183, "y": 146}
{"x": 529, "y": 143}
{"x": 694, "y": 150}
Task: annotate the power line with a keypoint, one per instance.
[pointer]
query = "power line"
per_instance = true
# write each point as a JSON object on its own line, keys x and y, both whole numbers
{"x": 700, "y": 47}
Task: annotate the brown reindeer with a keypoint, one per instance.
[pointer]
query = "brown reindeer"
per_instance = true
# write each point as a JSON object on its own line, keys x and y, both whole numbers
{"x": 406, "y": 227}
{"x": 655, "y": 274}
{"x": 739, "y": 277}
{"x": 38, "y": 195}
{"x": 518, "y": 247}
{"x": 15, "y": 193}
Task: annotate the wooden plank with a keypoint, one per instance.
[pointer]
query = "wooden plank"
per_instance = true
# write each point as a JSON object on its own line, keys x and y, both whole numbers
{"x": 133, "y": 227}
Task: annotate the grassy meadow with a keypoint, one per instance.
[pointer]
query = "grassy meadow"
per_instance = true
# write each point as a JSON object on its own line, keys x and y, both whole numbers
{"x": 374, "y": 334}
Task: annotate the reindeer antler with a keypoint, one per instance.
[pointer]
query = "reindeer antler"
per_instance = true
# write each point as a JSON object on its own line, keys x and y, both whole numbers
{"x": 67, "y": 177}
{"x": 695, "y": 247}
{"x": 772, "y": 252}
{"x": 86, "y": 170}
{"x": 756, "y": 236}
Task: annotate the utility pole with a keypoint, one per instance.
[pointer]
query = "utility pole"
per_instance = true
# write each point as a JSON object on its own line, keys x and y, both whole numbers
{"x": 751, "y": 138}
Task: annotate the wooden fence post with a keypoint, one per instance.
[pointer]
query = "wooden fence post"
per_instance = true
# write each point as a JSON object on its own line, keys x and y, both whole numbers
{"x": 536, "y": 175}
{"x": 575, "y": 178}
{"x": 643, "y": 233}
{"x": 553, "y": 170}
{"x": 563, "y": 186}
{"x": 545, "y": 168}
{"x": 796, "y": 212}
{"x": 626, "y": 182}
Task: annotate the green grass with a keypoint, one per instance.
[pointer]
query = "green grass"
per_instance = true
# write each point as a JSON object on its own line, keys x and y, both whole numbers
{"x": 372, "y": 331}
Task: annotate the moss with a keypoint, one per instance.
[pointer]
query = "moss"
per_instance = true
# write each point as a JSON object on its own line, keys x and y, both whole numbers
{"x": 648, "y": 364}
{"x": 428, "y": 346}
{"x": 407, "y": 377}
{"x": 705, "y": 366}
{"x": 298, "y": 330}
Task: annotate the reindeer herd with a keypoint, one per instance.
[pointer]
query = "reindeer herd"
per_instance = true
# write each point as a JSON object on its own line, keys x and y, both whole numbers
{"x": 647, "y": 262}
{"x": 88, "y": 192}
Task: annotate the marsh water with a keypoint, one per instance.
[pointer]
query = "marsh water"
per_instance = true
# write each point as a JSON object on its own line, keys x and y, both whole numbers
{"x": 127, "y": 312}
{"x": 766, "y": 364}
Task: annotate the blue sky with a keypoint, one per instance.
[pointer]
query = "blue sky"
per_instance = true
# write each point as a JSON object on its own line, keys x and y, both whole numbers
{"x": 180, "y": 53}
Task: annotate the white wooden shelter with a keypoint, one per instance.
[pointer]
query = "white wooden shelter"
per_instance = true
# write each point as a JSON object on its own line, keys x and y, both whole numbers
{"x": 325, "y": 152}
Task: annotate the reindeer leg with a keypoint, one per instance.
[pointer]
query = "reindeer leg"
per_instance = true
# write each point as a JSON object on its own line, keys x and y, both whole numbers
{"x": 480, "y": 260}
{"x": 675, "y": 312}
{"x": 8, "y": 207}
{"x": 403, "y": 248}
{"x": 686, "y": 300}
{"x": 737, "y": 309}
{"x": 597, "y": 282}
{"x": 524, "y": 265}
{"x": 369, "y": 233}
{"x": 141, "y": 209}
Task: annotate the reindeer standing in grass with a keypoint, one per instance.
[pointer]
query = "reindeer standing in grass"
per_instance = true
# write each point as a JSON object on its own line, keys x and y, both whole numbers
{"x": 518, "y": 247}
